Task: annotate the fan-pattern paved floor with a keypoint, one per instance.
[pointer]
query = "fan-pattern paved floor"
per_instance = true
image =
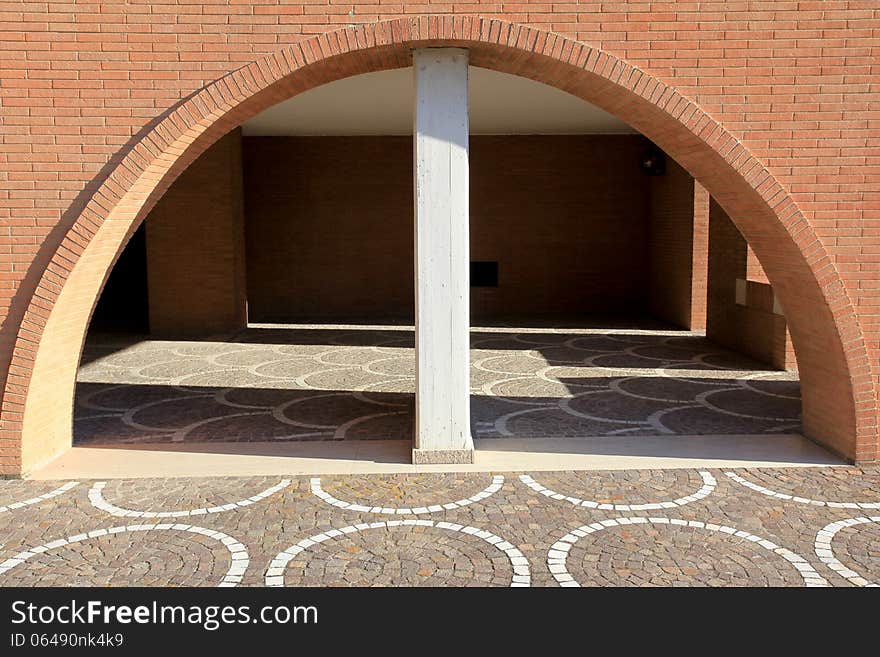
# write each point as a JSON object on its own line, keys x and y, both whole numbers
{"x": 313, "y": 383}
{"x": 756, "y": 527}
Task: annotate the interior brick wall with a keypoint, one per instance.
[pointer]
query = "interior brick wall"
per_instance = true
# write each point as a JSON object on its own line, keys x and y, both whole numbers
{"x": 566, "y": 218}
{"x": 330, "y": 226}
{"x": 700, "y": 258}
{"x": 678, "y": 248}
{"x": 195, "y": 248}
{"x": 754, "y": 270}
{"x": 752, "y": 328}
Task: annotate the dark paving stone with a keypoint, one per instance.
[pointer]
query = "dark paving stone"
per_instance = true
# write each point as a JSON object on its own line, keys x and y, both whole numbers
{"x": 638, "y": 555}
{"x": 335, "y": 384}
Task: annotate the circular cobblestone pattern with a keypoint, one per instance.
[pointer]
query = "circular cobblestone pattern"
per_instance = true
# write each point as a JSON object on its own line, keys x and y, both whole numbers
{"x": 155, "y": 558}
{"x": 509, "y": 534}
{"x": 842, "y": 487}
{"x": 404, "y": 555}
{"x": 858, "y": 548}
{"x": 411, "y": 493}
{"x": 628, "y": 489}
{"x": 314, "y": 383}
{"x": 179, "y": 497}
{"x": 667, "y": 555}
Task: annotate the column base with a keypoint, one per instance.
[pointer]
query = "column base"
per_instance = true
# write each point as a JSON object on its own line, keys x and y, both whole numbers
{"x": 442, "y": 456}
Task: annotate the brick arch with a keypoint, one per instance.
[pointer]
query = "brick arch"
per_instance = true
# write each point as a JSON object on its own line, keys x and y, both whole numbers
{"x": 835, "y": 371}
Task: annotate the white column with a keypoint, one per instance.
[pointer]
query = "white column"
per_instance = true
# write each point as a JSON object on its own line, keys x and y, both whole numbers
{"x": 442, "y": 431}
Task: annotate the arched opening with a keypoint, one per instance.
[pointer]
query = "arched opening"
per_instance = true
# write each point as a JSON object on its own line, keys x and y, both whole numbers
{"x": 280, "y": 309}
{"x": 834, "y": 371}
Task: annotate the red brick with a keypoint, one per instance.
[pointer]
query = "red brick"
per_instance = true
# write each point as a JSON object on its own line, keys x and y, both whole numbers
{"x": 771, "y": 40}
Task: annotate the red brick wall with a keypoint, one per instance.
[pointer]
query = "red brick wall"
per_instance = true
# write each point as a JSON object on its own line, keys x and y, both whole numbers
{"x": 678, "y": 227}
{"x": 754, "y": 270}
{"x": 195, "y": 248}
{"x": 788, "y": 85}
{"x": 748, "y": 324}
{"x": 330, "y": 226}
{"x": 700, "y": 258}
{"x": 566, "y": 219}
{"x": 329, "y": 223}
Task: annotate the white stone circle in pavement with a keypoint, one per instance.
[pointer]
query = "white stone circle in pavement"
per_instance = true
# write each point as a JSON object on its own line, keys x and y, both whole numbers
{"x": 825, "y": 552}
{"x": 521, "y": 573}
{"x": 96, "y": 497}
{"x": 40, "y": 498}
{"x": 237, "y": 551}
{"x": 494, "y": 487}
{"x": 558, "y": 553}
{"x": 706, "y": 489}
{"x": 801, "y": 500}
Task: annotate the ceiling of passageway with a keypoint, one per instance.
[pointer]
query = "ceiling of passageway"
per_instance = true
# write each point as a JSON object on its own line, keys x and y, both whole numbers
{"x": 381, "y": 103}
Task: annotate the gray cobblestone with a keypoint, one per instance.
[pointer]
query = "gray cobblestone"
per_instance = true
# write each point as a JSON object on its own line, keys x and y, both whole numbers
{"x": 358, "y": 385}
{"x": 404, "y": 555}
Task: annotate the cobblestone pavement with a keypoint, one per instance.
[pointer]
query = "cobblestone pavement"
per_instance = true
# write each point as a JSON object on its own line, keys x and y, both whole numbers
{"x": 755, "y": 527}
{"x": 320, "y": 383}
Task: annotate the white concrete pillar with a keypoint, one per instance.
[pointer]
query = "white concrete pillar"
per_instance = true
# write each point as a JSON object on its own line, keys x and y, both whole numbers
{"x": 442, "y": 431}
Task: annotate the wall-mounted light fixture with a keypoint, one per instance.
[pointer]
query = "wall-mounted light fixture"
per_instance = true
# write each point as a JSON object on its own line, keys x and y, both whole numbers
{"x": 653, "y": 162}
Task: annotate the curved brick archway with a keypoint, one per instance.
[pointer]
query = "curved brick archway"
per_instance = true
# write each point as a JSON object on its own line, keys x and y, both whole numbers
{"x": 835, "y": 371}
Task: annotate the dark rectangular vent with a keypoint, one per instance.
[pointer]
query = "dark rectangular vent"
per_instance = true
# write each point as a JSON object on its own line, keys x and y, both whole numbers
{"x": 484, "y": 274}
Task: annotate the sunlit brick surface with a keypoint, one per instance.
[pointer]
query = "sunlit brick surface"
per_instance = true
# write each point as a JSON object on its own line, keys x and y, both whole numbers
{"x": 769, "y": 104}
